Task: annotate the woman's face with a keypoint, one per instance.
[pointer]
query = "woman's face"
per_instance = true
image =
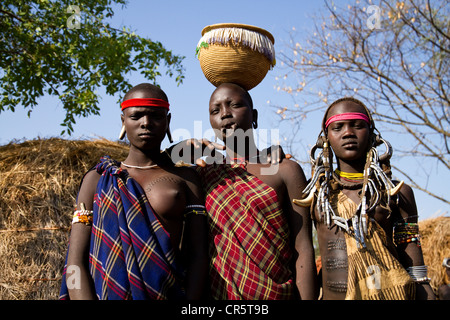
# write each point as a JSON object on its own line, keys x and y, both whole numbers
{"x": 349, "y": 139}
{"x": 145, "y": 126}
{"x": 229, "y": 110}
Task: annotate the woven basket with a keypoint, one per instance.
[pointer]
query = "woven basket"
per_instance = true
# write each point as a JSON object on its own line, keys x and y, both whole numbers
{"x": 233, "y": 61}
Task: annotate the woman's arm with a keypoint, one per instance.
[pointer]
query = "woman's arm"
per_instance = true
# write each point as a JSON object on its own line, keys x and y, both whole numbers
{"x": 196, "y": 240}
{"x": 301, "y": 231}
{"x": 410, "y": 253}
{"x": 78, "y": 278}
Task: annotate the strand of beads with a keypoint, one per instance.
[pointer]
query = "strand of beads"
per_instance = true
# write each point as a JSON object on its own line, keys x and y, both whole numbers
{"x": 406, "y": 233}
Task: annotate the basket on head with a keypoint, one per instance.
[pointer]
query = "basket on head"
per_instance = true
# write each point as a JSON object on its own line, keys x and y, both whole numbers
{"x": 237, "y": 53}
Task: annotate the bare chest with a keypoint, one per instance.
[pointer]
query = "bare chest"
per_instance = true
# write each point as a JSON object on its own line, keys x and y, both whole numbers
{"x": 166, "y": 193}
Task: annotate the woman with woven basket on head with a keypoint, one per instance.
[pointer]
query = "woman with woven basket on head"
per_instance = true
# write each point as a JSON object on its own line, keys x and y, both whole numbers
{"x": 366, "y": 223}
{"x": 260, "y": 244}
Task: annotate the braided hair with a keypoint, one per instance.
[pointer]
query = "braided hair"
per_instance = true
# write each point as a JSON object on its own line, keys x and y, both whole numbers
{"x": 377, "y": 186}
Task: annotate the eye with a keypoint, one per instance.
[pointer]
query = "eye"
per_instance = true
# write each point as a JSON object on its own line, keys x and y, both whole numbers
{"x": 360, "y": 124}
{"x": 236, "y": 105}
{"x": 134, "y": 116}
{"x": 213, "y": 111}
{"x": 336, "y": 126}
{"x": 157, "y": 116}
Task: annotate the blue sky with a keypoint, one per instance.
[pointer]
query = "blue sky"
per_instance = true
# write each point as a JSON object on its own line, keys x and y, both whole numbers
{"x": 178, "y": 24}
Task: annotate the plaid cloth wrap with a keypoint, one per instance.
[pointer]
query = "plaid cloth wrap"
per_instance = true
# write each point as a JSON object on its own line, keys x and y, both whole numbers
{"x": 249, "y": 236}
{"x": 131, "y": 256}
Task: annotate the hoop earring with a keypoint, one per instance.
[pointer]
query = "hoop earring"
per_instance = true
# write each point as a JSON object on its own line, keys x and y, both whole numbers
{"x": 122, "y": 133}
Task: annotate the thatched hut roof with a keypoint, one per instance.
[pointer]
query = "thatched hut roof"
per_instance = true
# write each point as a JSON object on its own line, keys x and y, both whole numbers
{"x": 435, "y": 233}
{"x": 39, "y": 181}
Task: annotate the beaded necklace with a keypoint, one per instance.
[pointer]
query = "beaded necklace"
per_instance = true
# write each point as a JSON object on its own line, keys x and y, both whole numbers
{"x": 242, "y": 161}
{"x": 140, "y": 167}
{"x": 350, "y": 175}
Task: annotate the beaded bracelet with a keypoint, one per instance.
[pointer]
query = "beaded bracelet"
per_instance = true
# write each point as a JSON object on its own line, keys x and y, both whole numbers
{"x": 406, "y": 233}
{"x": 83, "y": 215}
{"x": 407, "y": 238}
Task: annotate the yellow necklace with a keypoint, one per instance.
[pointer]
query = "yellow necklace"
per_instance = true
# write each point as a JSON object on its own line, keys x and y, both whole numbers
{"x": 350, "y": 175}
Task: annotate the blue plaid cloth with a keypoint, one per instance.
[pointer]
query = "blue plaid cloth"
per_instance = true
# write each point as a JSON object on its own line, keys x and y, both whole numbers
{"x": 131, "y": 256}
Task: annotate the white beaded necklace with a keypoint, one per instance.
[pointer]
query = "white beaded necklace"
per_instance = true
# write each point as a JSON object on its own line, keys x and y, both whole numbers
{"x": 139, "y": 167}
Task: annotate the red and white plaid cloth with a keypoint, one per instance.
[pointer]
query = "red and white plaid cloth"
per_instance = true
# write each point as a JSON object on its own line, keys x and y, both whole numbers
{"x": 249, "y": 236}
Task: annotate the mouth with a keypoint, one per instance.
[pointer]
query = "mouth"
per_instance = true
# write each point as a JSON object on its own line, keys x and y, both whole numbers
{"x": 229, "y": 125}
{"x": 350, "y": 145}
{"x": 145, "y": 135}
{"x": 228, "y": 128}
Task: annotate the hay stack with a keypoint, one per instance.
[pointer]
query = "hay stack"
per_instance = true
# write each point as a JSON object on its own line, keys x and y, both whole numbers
{"x": 435, "y": 234}
{"x": 39, "y": 181}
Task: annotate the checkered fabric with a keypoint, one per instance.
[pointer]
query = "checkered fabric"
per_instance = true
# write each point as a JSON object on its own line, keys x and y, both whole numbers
{"x": 249, "y": 236}
{"x": 131, "y": 256}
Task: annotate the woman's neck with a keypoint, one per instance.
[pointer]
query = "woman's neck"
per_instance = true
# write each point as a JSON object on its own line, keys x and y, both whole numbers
{"x": 351, "y": 167}
{"x": 243, "y": 153}
{"x": 139, "y": 157}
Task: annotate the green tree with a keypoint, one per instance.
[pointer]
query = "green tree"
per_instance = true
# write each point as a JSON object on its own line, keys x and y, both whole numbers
{"x": 69, "y": 50}
{"x": 395, "y": 56}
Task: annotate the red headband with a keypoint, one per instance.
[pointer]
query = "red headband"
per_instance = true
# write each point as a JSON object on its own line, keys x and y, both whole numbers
{"x": 347, "y": 116}
{"x": 145, "y": 102}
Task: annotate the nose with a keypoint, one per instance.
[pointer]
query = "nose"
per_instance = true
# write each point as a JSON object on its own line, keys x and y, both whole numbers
{"x": 225, "y": 112}
{"x": 145, "y": 121}
{"x": 348, "y": 131}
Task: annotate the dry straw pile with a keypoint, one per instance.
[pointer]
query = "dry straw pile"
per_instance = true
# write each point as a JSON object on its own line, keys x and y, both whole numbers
{"x": 435, "y": 234}
{"x": 39, "y": 180}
